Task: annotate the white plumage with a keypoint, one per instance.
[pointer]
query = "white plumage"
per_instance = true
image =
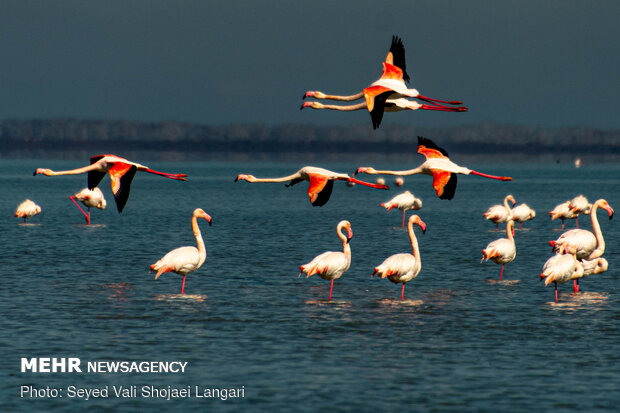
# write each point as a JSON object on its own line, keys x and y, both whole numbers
{"x": 27, "y": 209}
{"x": 563, "y": 212}
{"x": 503, "y": 250}
{"x": 561, "y": 268}
{"x": 331, "y": 265}
{"x": 185, "y": 260}
{"x": 403, "y": 267}
{"x": 500, "y": 213}
{"x": 522, "y": 213}
{"x": 91, "y": 198}
{"x": 404, "y": 202}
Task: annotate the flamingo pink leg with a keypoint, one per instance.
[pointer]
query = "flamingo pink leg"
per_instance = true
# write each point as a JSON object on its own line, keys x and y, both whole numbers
{"x": 87, "y": 216}
{"x": 577, "y": 222}
{"x": 402, "y": 293}
{"x": 331, "y": 287}
{"x": 178, "y": 177}
{"x": 575, "y": 286}
{"x": 183, "y": 285}
{"x": 501, "y": 178}
{"x": 501, "y": 272}
{"x": 357, "y": 181}
{"x": 403, "y": 225}
{"x": 562, "y": 225}
{"x": 556, "y": 292}
{"x": 430, "y": 100}
{"x": 443, "y": 108}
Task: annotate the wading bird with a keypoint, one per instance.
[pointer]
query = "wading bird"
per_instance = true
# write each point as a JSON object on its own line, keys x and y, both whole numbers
{"x": 522, "y": 213}
{"x": 121, "y": 173}
{"x": 27, "y": 209}
{"x": 403, "y": 202}
{"x": 184, "y": 260}
{"x": 503, "y": 250}
{"x": 321, "y": 182}
{"x": 403, "y": 267}
{"x": 90, "y": 198}
{"x": 579, "y": 205}
{"x": 438, "y": 165}
{"x": 332, "y": 264}
{"x": 562, "y": 268}
{"x": 388, "y": 94}
{"x": 563, "y": 212}
{"x": 500, "y": 213}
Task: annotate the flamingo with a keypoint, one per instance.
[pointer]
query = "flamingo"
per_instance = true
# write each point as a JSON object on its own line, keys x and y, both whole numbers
{"x": 439, "y": 166}
{"x": 90, "y": 198}
{"x": 522, "y": 213}
{"x": 562, "y": 268}
{"x": 587, "y": 245}
{"x": 27, "y": 209}
{"x": 404, "y": 202}
{"x": 579, "y": 205}
{"x": 503, "y": 250}
{"x": 185, "y": 260}
{"x": 321, "y": 182}
{"x": 331, "y": 265}
{"x": 399, "y": 181}
{"x": 121, "y": 173}
{"x": 500, "y": 213}
{"x": 403, "y": 267}
{"x": 388, "y": 94}
{"x": 563, "y": 212}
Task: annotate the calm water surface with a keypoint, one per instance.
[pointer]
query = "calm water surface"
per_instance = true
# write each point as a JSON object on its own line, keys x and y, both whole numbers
{"x": 459, "y": 343}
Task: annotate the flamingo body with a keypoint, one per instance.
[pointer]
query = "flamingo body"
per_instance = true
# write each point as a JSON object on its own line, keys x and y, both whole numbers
{"x": 500, "y": 213}
{"x": 437, "y": 165}
{"x": 404, "y": 202}
{"x": 185, "y": 260}
{"x": 403, "y": 267}
{"x": 522, "y": 213}
{"x": 27, "y": 209}
{"x": 563, "y": 212}
{"x": 91, "y": 198}
{"x": 503, "y": 250}
{"x": 331, "y": 265}
{"x": 121, "y": 173}
{"x": 321, "y": 182}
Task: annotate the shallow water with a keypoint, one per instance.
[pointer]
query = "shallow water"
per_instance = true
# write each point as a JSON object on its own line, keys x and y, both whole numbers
{"x": 460, "y": 341}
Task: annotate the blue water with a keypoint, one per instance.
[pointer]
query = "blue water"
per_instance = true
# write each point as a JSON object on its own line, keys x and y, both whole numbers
{"x": 459, "y": 343}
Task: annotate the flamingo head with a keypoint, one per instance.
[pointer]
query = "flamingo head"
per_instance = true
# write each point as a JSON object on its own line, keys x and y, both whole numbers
{"x": 102, "y": 204}
{"x": 46, "y": 172}
{"x": 511, "y": 199}
{"x": 601, "y": 266}
{"x": 314, "y": 94}
{"x": 313, "y": 105}
{"x": 414, "y": 219}
{"x": 399, "y": 181}
{"x": 199, "y": 213}
{"x": 365, "y": 170}
{"x": 603, "y": 204}
{"x": 244, "y": 177}
{"x": 346, "y": 225}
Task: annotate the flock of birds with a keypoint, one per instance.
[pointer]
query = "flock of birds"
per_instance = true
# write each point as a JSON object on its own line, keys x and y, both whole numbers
{"x": 578, "y": 252}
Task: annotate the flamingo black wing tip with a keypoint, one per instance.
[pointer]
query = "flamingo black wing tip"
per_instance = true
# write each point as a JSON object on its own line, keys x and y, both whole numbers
{"x": 35, "y": 173}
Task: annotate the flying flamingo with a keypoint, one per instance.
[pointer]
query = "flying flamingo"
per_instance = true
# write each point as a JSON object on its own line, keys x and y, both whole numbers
{"x": 579, "y": 205}
{"x": 321, "y": 182}
{"x": 439, "y": 166}
{"x": 404, "y": 202}
{"x": 91, "y": 198}
{"x": 121, "y": 173}
{"x": 587, "y": 245}
{"x": 388, "y": 94}
{"x": 562, "y": 268}
{"x": 500, "y": 213}
{"x": 332, "y": 264}
{"x": 27, "y": 209}
{"x": 522, "y": 213}
{"x": 403, "y": 267}
{"x": 563, "y": 212}
{"x": 185, "y": 260}
{"x": 503, "y": 250}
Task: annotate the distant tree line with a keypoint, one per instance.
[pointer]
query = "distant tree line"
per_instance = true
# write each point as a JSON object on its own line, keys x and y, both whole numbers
{"x": 27, "y": 137}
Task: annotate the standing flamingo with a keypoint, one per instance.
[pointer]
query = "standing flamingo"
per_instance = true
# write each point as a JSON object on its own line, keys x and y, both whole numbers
{"x": 563, "y": 212}
{"x": 90, "y": 198}
{"x": 522, "y": 213}
{"x": 332, "y": 264}
{"x": 184, "y": 260}
{"x": 562, "y": 268}
{"x": 579, "y": 205}
{"x": 500, "y": 213}
{"x": 388, "y": 94}
{"x": 403, "y": 267}
{"x": 503, "y": 250}
{"x": 404, "y": 202}
{"x": 27, "y": 209}
{"x": 321, "y": 182}
{"x": 121, "y": 173}
{"x": 439, "y": 166}
{"x": 587, "y": 245}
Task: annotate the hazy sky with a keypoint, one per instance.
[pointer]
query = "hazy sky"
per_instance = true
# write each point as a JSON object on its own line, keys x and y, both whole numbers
{"x": 527, "y": 62}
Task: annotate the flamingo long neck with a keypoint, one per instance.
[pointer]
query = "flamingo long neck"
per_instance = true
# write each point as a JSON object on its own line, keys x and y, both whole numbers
{"x": 509, "y": 228}
{"x": 77, "y": 171}
{"x": 345, "y": 245}
{"x": 346, "y": 108}
{"x": 282, "y": 179}
{"x": 600, "y": 241}
{"x": 414, "y": 171}
{"x": 344, "y": 98}
{"x": 414, "y": 244}
{"x": 199, "y": 241}
{"x": 506, "y": 204}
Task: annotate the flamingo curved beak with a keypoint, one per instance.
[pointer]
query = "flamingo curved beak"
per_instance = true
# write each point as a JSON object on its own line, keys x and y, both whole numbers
{"x": 349, "y": 235}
